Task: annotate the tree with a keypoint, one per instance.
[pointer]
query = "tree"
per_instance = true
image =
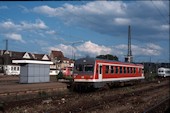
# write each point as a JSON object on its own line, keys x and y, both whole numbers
{"x": 108, "y": 57}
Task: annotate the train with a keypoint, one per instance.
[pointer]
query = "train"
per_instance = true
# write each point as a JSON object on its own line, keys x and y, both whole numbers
{"x": 97, "y": 73}
{"x": 163, "y": 72}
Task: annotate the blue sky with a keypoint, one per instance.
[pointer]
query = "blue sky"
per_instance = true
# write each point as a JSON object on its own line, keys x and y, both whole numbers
{"x": 87, "y": 28}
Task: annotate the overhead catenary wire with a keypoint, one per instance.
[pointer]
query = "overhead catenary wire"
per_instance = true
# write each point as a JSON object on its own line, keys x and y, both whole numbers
{"x": 167, "y": 21}
{"x": 159, "y": 11}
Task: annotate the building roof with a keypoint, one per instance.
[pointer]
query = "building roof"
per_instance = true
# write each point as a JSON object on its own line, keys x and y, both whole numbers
{"x": 31, "y": 62}
{"x": 15, "y": 55}
{"x": 56, "y": 54}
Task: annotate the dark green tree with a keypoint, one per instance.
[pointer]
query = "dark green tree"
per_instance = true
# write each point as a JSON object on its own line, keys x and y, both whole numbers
{"x": 108, "y": 57}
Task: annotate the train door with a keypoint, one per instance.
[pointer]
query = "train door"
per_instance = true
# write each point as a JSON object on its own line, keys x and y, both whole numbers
{"x": 100, "y": 72}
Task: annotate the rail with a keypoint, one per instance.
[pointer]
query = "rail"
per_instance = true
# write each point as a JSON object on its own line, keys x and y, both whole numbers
{"x": 161, "y": 104}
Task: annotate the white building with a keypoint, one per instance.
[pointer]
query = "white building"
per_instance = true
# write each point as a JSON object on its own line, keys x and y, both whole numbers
{"x": 11, "y": 69}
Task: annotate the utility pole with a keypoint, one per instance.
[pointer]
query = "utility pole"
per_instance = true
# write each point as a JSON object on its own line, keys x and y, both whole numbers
{"x": 169, "y": 35}
{"x": 73, "y": 46}
{"x": 6, "y": 46}
{"x": 6, "y": 53}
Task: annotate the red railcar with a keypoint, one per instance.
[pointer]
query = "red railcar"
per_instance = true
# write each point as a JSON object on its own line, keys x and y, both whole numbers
{"x": 98, "y": 72}
{"x": 67, "y": 71}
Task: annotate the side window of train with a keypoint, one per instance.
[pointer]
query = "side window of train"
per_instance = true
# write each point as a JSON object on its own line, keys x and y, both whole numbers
{"x": 107, "y": 69}
{"x": 120, "y": 69}
{"x": 127, "y": 69}
{"x": 116, "y": 69}
{"x": 112, "y": 69}
{"x": 79, "y": 68}
{"x": 124, "y": 68}
{"x": 131, "y": 70}
{"x": 134, "y": 70}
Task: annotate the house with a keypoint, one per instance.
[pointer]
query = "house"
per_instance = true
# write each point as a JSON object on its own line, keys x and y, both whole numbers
{"x": 9, "y": 68}
{"x": 60, "y": 62}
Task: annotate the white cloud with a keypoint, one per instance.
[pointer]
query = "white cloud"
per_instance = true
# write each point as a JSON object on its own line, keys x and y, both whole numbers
{"x": 39, "y": 24}
{"x": 66, "y": 49}
{"x": 164, "y": 27}
{"x": 45, "y": 10}
{"x": 149, "y": 49}
{"x": 117, "y": 8}
{"x": 93, "y": 49}
{"x": 111, "y": 17}
{"x": 3, "y": 7}
{"x": 15, "y": 36}
{"x": 153, "y": 46}
{"x": 121, "y": 21}
{"x": 9, "y": 25}
{"x": 161, "y": 27}
{"x": 51, "y": 32}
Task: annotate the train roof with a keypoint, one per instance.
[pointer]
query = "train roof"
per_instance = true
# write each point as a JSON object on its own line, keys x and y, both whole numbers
{"x": 86, "y": 60}
{"x": 163, "y": 68}
{"x": 90, "y": 60}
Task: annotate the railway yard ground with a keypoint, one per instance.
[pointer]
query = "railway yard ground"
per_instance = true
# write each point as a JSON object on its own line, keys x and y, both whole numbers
{"x": 54, "y": 97}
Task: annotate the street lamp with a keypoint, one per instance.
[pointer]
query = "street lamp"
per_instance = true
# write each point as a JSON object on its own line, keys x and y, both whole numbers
{"x": 73, "y": 46}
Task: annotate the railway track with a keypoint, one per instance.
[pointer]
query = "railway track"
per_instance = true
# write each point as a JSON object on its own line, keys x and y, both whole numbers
{"x": 114, "y": 96}
{"x": 163, "y": 106}
{"x": 106, "y": 101}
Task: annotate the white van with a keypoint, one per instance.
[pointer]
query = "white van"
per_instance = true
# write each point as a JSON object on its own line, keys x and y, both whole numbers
{"x": 163, "y": 72}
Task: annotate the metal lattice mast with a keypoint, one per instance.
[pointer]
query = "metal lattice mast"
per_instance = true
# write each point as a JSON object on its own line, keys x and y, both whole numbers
{"x": 129, "y": 42}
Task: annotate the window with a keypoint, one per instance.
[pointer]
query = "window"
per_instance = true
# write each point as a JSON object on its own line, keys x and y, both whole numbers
{"x": 11, "y": 68}
{"x": 14, "y": 68}
{"x": 124, "y": 68}
{"x": 88, "y": 68}
{"x": 79, "y": 68}
{"x": 112, "y": 69}
{"x": 18, "y": 68}
{"x": 127, "y": 69}
{"x": 131, "y": 70}
{"x": 116, "y": 69}
{"x": 120, "y": 69}
{"x": 168, "y": 72}
{"x": 107, "y": 69}
{"x": 134, "y": 70}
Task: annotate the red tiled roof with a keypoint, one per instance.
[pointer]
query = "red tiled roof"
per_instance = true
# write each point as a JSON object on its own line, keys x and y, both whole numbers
{"x": 57, "y": 54}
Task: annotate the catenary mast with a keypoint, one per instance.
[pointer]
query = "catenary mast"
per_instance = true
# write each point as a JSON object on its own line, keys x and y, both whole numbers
{"x": 129, "y": 57}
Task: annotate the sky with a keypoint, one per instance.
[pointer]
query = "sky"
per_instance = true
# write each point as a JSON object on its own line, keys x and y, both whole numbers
{"x": 87, "y": 28}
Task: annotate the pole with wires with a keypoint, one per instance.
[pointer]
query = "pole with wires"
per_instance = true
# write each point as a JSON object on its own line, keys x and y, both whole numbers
{"x": 169, "y": 35}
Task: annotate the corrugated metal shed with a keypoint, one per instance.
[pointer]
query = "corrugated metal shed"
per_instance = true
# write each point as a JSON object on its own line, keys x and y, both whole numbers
{"x": 34, "y": 71}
